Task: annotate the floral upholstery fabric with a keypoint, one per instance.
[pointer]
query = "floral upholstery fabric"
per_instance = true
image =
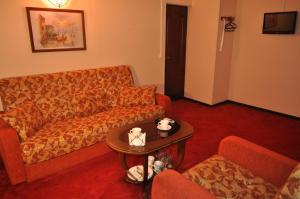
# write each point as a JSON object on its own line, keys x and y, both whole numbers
{"x": 291, "y": 189}
{"x": 227, "y": 180}
{"x": 87, "y": 103}
{"x": 53, "y": 93}
{"x": 26, "y": 119}
{"x": 76, "y": 109}
{"x": 62, "y": 137}
{"x": 137, "y": 96}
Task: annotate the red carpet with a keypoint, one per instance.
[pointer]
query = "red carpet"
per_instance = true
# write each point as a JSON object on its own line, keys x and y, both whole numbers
{"x": 103, "y": 176}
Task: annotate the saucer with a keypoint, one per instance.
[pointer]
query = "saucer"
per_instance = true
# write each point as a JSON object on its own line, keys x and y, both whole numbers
{"x": 170, "y": 120}
{"x": 136, "y": 173}
{"x": 163, "y": 129}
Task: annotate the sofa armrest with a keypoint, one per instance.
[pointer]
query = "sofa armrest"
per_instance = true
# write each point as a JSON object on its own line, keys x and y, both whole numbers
{"x": 164, "y": 101}
{"x": 267, "y": 164}
{"x": 11, "y": 155}
{"x": 171, "y": 184}
{"x": 3, "y": 124}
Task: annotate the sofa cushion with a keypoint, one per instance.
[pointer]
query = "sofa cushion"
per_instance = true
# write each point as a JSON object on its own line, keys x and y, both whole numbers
{"x": 113, "y": 80}
{"x": 291, "y": 189}
{"x": 25, "y": 119}
{"x": 53, "y": 93}
{"x": 55, "y": 108}
{"x": 225, "y": 179}
{"x": 62, "y": 137}
{"x": 88, "y": 103}
{"x": 137, "y": 96}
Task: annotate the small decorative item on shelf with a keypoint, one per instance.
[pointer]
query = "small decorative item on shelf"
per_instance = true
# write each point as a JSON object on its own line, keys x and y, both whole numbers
{"x": 166, "y": 160}
{"x": 150, "y": 160}
{"x": 158, "y": 166}
{"x": 136, "y": 173}
{"x": 136, "y": 137}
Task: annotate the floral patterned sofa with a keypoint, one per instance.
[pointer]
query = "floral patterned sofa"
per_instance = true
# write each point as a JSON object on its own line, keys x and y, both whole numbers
{"x": 54, "y": 121}
{"x": 240, "y": 170}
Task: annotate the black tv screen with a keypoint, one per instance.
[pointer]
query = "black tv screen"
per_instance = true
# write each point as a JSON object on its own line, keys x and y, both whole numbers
{"x": 280, "y": 22}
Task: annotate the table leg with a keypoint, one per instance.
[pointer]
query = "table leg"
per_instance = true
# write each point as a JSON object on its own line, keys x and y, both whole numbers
{"x": 123, "y": 160}
{"x": 146, "y": 185}
{"x": 180, "y": 153}
{"x": 145, "y": 169}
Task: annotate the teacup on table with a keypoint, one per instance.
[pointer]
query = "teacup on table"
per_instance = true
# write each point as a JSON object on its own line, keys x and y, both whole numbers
{"x": 136, "y": 137}
{"x": 163, "y": 125}
{"x": 170, "y": 120}
{"x": 136, "y": 130}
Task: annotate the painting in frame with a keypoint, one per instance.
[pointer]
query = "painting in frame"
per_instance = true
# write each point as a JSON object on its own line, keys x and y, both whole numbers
{"x": 56, "y": 29}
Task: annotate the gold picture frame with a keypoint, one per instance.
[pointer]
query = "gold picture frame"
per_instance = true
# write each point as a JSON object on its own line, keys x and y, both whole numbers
{"x": 56, "y": 29}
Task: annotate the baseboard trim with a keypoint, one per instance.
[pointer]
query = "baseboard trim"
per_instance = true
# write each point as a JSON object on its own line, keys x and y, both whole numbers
{"x": 203, "y": 103}
{"x": 266, "y": 110}
{"x": 246, "y": 105}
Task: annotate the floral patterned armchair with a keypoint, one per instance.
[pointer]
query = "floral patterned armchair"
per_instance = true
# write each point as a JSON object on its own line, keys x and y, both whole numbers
{"x": 240, "y": 170}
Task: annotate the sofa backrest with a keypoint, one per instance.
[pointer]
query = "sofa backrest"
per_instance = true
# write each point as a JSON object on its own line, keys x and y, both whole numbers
{"x": 53, "y": 93}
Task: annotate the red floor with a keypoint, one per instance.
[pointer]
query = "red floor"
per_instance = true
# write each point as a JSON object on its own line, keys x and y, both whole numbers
{"x": 103, "y": 176}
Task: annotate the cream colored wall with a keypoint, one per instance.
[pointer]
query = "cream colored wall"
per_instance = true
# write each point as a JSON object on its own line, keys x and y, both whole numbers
{"x": 118, "y": 32}
{"x": 201, "y": 50}
{"x": 265, "y": 68}
{"x": 223, "y": 55}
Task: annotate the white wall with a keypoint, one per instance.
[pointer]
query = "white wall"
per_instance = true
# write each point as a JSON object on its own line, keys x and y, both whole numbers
{"x": 207, "y": 69}
{"x": 265, "y": 68}
{"x": 118, "y": 32}
{"x": 223, "y": 55}
{"x": 201, "y": 50}
{"x": 263, "y": 71}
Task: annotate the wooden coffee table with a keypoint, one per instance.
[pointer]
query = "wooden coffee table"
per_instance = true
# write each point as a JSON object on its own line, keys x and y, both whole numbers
{"x": 117, "y": 139}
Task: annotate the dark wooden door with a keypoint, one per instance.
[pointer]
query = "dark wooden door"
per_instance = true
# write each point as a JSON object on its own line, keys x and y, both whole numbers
{"x": 176, "y": 28}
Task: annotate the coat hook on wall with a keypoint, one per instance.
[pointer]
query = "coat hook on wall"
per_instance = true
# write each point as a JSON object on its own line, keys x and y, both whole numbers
{"x": 230, "y": 26}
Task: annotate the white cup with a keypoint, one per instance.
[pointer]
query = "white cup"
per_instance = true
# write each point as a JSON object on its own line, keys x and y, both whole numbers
{"x": 169, "y": 119}
{"x": 163, "y": 124}
{"x": 150, "y": 160}
{"x": 136, "y": 131}
{"x": 158, "y": 165}
{"x": 165, "y": 120}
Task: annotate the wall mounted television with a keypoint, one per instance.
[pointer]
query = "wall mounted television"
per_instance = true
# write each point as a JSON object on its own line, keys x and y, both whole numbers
{"x": 280, "y": 22}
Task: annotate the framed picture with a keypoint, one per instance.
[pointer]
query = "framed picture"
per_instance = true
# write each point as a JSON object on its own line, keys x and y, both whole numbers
{"x": 56, "y": 29}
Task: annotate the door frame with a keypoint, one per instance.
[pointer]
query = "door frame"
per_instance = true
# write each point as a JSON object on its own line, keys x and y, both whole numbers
{"x": 162, "y": 49}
